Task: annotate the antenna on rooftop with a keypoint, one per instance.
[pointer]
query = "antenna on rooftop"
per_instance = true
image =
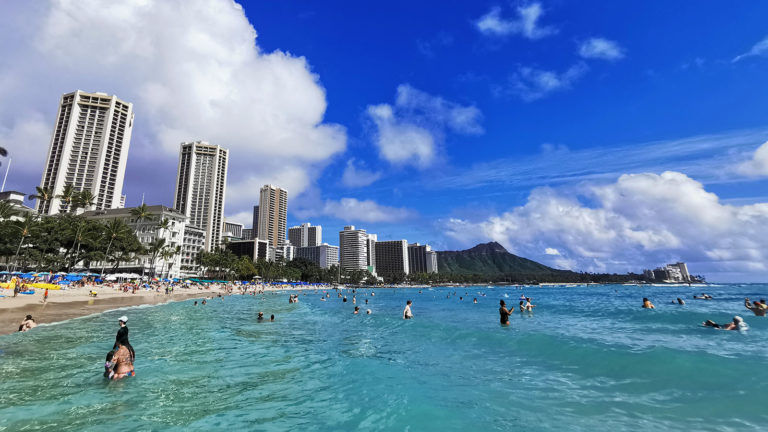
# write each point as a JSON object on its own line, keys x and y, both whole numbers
{"x": 7, "y": 168}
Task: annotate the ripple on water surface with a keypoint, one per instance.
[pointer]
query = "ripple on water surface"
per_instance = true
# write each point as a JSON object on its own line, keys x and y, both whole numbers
{"x": 587, "y": 358}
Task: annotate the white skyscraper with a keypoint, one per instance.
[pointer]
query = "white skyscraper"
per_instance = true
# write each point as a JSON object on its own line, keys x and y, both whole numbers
{"x": 201, "y": 184}
{"x": 357, "y": 249}
{"x": 89, "y": 149}
{"x": 273, "y": 214}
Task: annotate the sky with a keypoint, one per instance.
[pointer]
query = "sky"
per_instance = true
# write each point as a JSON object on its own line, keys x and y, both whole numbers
{"x": 592, "y": 136}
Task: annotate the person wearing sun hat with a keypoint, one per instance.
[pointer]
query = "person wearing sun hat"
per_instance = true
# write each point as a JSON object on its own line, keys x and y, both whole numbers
{"x": 122, "y": 337}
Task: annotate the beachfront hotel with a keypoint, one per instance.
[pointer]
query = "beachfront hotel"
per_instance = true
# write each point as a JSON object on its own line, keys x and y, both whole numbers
{"x": 305, "y": 235}
{"x": 357, "y": 249}
{"x": 392, "y": 257}
{"x": 421, "y": 259}
{"x": 324, "y": 255}
{"x": 273, "y": 214}
{"x": 88, "y": 150}
{"x": 201, "y": 183}
{"x": 148, "y": 230}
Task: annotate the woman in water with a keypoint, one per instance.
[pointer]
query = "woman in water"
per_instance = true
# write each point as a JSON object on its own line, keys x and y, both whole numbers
{"x": 123, "y": 362}
{"x": 504, "y": 313}
{"x": 647, "y": 304}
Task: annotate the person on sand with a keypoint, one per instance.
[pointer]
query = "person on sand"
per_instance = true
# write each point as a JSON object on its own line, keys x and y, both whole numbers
{"x": 27, "y": 324}
{"x": 407, "y": 314}
{"x": 45, "y": 296}
{"x": 757, "y": 309}
{"x": 504, "y": 313}
{"x": 647, "y": 304}
{"x": 123, "y": 361}
{"x": 122, "y": 337}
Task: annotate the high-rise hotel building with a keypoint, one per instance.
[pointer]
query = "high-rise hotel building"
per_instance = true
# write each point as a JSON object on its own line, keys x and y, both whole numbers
{"x": 273, "y": 214}
{"x": 89, "y": 149}
{"x": 357, "y": 249}
{"x": 201, "y": 184}
{"x": 305, "y": 235}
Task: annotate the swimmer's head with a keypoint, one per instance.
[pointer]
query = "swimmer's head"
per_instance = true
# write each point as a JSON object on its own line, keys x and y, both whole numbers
{"x": 501, "y": 302}
{"x": 737, "y": 319}
{"x": 368, "y": 311}
{"x": 408, "y": 302}
{"x": 645, "y": 299}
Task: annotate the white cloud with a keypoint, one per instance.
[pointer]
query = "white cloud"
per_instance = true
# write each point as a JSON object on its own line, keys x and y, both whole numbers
{"x": 551, "y": 251}
{"x": 525, "y": 24}
{"x": 358, "y": 176}
{"x": 758, "y": 49}
{"x": 531, "y": 84}
{"x": 640, "y": 220}
{"x": 193, "y": 70}
{"x": 758, "y": 165}
{"x": 409, "y": 132}
{"x": 354, "y": 210}
{"x": 600, "y": 48}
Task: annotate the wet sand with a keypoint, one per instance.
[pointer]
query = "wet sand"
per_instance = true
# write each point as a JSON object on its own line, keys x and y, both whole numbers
{"x": 63, "y": 309}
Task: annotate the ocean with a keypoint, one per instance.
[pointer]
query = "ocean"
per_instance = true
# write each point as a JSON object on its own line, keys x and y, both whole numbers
{"x": 587, "y": 358}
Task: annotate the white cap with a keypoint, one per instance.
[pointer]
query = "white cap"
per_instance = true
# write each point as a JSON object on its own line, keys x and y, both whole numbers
{"x": 738, "y": 318}
{"x": 123, "y": 318}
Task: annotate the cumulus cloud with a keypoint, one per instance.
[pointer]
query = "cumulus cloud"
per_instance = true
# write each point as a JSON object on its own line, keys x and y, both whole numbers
{"x": 758, "y": 165}
{"x": 531, "y": 84}
{"x": 193, "y": 70}
{"x": 525, "y": 24}
{"x": 357, "y": 176}
{"x": 354, "y": 210}
{"x": 758, "y": 49}
{"x": 551, "y": 251}
{"x": 641, "y": 220}
{"x": 600, "y": 48}
{"x": 409, "y": 132}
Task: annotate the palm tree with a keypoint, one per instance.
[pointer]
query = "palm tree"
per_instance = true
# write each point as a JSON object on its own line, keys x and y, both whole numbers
{"x": 154, "y": 249}
{"x": 42, "y": 195}
{"x": 113, "y": 229}
{"x": 7, "y": 210}
{"x": 25, "y": 226}
{"x": 85, "y": 199}
{"x": 67, "y": 196}
{"x": 167, "y": 254}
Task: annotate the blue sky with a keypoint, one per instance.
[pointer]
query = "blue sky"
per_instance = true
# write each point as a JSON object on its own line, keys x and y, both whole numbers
{"x": 543, "y": 125}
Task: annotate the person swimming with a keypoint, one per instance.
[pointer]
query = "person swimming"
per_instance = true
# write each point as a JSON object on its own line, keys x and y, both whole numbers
{"x": 260, "y": 317}
{"x": 357, "y": 310}
{"x": 27, "y": 324}
{"x": 272, "y": 318}
{"x": 647, "y": 304}
{"x": 528, "y": 306}
{"x": 678, "y": 301}
{"x": 757, "y": 309}
{"x": 504, "y": 313}
{"x": 737, "y": 324}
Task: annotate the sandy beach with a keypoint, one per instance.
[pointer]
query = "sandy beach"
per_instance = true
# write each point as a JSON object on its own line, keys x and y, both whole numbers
{"x": 72, "y": 303}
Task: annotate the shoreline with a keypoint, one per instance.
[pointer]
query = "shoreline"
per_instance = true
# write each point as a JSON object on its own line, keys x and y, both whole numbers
{"x": 75, "y": 306}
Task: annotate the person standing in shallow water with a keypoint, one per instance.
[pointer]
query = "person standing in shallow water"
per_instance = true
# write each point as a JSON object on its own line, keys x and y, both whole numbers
{"x": 122, "y": 337}
{"x": 407, "y": 314}
{"x": 504, "y": 313}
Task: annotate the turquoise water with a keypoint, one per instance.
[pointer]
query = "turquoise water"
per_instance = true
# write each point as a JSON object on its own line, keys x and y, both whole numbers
{"x": 588, "y": 358}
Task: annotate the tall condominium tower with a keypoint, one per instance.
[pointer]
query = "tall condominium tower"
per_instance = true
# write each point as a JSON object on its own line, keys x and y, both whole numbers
{"x": 201, "y": 183}
{"x": 273, "y": 212}
{"x": 88, "y": 150}
{"x": 421, "y": 259}
{"x": 305, "y": 235}
{"x": 392, "y": 257}
{"x": 357, "y": 249}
